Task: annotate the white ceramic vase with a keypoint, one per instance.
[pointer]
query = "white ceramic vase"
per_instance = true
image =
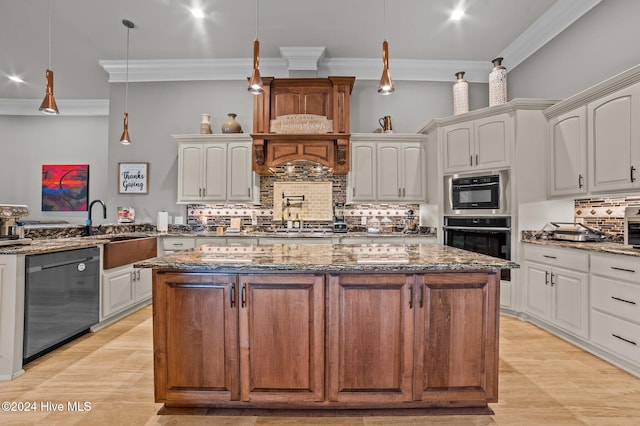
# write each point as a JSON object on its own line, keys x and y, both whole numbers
{"x": 460, "y": 94}
{"x": 498, "y": 83}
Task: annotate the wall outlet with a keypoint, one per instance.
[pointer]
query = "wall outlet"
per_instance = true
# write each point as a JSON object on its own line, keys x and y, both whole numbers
{"x": 363, "y": 220}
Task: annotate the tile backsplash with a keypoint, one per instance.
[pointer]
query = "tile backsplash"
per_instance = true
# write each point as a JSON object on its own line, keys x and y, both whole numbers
{"x": 322, "y": 190}
{"x": 606, "y": 214}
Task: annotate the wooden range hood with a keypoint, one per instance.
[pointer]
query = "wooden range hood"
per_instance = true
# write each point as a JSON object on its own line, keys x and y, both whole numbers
{"x": 328, "y": 97}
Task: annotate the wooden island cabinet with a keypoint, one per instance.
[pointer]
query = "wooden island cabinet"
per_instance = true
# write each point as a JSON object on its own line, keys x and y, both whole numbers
{"x": 365, "y": 336}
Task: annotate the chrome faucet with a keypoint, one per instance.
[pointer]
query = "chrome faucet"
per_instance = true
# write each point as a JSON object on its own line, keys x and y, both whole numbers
{"x": 104, "y": 214}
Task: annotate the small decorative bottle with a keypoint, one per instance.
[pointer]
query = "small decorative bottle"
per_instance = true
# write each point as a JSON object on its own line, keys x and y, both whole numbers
{"x": 497, "y": 83}
{"x": 205, "y": 124}
{"x": 460, "y": 94}
{"x": 231, "y": 125}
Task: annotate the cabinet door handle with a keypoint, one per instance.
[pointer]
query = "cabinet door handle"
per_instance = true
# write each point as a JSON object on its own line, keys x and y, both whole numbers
{"x": 421, "y": 295}
{"x": 248, "y": 192}
{"x": 623, "y": 269}
{"x": 404, "y": 192}
{"x": 243, "y": 296}
{"x": 138, "y": 274}
{"x": 410, "y": 297}
{"x": 232, "y": 296}
{"x": 580, "y": 178}
{"x": 548, "y": 256}
{"x": 399, "y": 192}
{"x": 471, "y": 160}
{"x": 133, "y": 275}
{"x": 552, "y": 281}
{"x": 476, "y": 159}
{"x": 631, "y": 302}
{"x": 546, "y": 277}
{"x": 353, "y": 191}
{"x": 624, "y": 340}
{"x": 633, "y": 169}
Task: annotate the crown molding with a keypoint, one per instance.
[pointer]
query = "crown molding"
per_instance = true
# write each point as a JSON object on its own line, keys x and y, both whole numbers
{"x": 513, "y": 105}
{"x": 67, "y": 107}
{"x": 556, "y": 19}
{"x": 239, "y": 69}
{"x": 302, "y": 58}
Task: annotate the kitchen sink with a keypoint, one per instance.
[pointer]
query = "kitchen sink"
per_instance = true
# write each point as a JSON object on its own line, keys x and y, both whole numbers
{"x": 123, "y": 250}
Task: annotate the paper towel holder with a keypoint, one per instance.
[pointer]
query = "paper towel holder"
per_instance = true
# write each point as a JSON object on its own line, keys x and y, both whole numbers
{"x": 162, "y": 224}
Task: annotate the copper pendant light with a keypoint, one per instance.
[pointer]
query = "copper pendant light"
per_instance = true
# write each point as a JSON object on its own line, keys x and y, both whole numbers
{"x": 48, "y": 105}
{"x": 386, "y": 84}
{"x": 255, "y": 81}
{"x": 125, "y": 139}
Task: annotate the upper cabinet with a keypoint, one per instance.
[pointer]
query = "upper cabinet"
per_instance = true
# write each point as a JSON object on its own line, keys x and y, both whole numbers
{"x": 614, "y": 140}
{"x": 387, "y": 167}
{"x": 594, "y": 138}
{"x": 483, "y": 143}
{"x": 215, "y": 168}
{"x": 568, "y": 153}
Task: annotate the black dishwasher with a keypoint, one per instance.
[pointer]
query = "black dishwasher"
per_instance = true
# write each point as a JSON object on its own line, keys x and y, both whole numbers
{"x": 62, "y": 298}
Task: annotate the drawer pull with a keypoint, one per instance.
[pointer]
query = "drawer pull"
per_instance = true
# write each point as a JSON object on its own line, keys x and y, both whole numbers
{"x": 623, "y": 269}
{"x": 548, "y": 256}
{"x": 622, "y": 300}
{"x": 624, "y": 340}
{"x": 178, "y": 244}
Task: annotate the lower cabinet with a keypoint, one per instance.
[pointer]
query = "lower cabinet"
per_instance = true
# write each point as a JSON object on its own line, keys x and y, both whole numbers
{"x": 256, "y": 340}
{"x": 122, "y": 288}
{"x": 557, "y": 289}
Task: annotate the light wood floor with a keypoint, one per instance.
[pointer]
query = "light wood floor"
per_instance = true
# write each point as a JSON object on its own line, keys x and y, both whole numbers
{"x": 543, "y": 381}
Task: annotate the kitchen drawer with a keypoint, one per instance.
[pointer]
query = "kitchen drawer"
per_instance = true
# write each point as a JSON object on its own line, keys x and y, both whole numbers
{"x": 566, "y": 258}
{"x": 210, "y": 240}
{"x": 175, "y": 243}
{"x": 616, "y": 266}
{"x": 616, "y": 298}
{"x": 616, "y": 336}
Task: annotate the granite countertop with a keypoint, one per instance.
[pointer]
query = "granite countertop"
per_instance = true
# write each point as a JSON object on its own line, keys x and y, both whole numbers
{"x": 601, "y": 247}
{"x": 324, "y": 258}
{"x": 294, "y": 234}
{"x": 53, "y": 244}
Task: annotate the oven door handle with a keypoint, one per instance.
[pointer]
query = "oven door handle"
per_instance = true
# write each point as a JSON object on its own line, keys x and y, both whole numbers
{"x": 475, "y": 228}
{"x": 473, "y": 185}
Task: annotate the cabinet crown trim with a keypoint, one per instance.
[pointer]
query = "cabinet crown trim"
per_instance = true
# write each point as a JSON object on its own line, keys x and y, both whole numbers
{"x": 509, "y": 107}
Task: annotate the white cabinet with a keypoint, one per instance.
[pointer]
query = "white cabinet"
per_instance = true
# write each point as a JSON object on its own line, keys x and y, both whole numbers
{"x": 557, "y": 287}
{"x": 362, "y": 183}
{"x": 122, "y": 288}
{"x": 215, "y": 168}
{"x": 568, "y": 153}
{"x": 400, "y": 172}
{"x": 614, "y": 140}
{"x": 615, "y": 305}
{"x": 387, "y": 167}
{"x": 483, "y": 143}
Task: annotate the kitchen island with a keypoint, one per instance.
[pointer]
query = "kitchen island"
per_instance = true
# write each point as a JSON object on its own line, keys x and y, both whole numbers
{"x": 326, "y": 326}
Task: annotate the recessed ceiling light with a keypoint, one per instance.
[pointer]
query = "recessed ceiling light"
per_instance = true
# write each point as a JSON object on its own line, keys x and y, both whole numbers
{"x": 16, "y": 79}
{"x": 197, "y": 13}
{"x": 457, "y": 14}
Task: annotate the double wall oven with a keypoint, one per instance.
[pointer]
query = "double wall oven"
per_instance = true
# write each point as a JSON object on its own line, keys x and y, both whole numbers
{"x": 477, "y": 214}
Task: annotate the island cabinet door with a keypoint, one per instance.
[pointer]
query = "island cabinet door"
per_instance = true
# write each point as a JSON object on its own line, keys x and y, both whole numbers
{"x": 370, "y": 338}
{"x": 195, "y": 338}
{"x": 457, "y": 338}
{"x": 282, "y": 337}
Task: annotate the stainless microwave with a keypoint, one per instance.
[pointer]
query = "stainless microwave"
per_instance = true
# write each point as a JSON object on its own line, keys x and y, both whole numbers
{"x": 478, "y": 193}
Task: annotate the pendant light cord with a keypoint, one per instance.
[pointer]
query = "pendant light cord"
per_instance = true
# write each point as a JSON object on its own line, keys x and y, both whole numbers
{"x": 126, "y": 85}
{"x": 49, "y": 12}
{"x": 257, "y": 16}
{"x": 385, "y": 19}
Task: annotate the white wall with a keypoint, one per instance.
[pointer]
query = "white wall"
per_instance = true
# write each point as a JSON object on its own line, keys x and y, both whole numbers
{"x": 601, "y": 44}
{"x": 28, "y": 142}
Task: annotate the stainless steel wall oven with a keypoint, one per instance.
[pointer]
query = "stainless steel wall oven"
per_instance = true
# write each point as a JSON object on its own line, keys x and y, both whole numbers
{"x": 486, "y": 235}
